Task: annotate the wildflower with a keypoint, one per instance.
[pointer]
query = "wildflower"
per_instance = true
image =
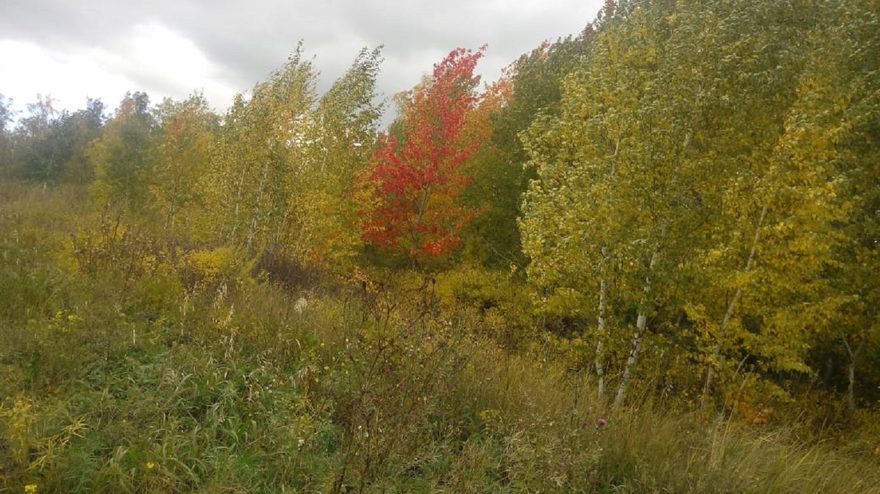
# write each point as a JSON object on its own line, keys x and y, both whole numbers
{"x": 601, "y": 422}
{"x": 30, "y": 488}
{"x": 150, "y": 465}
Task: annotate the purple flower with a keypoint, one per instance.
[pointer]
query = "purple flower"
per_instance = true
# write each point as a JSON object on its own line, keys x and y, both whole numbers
{"x": 601, "y": 422}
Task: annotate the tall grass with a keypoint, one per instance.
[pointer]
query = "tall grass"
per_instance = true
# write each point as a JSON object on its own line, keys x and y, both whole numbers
{"x": 128, "y": 376}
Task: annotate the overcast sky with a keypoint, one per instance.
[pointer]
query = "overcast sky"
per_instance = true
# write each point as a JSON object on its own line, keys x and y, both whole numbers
{"x": 71, "y": 49}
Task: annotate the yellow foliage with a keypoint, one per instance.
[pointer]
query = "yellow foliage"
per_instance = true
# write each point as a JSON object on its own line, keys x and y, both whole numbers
{"x": 210, "y": 266}
{"x": 28, "y": 447}
{"x": 18, "y": 432}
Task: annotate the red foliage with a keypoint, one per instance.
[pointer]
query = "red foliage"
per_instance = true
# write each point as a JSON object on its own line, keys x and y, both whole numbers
{"x": 415, "y": 181}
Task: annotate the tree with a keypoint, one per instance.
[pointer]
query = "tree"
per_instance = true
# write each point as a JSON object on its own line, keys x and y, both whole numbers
{"x": 834, "y": 132}
{"x": 124, "y": 156}
{"x": 249, "y": 183}
{"x": 285, "y": 161}
{"x": 36, "y": 147}
{"x": 51, "y": 146}
{"x": 6, "y": 116}
{"x": 411, "y": 190}
{"x": 592, "y": 220}
{"x": 82, "y": 127}
{"x": 530, "y": 88}
{"x": 183, "y": 141}
{"x": 665, "y": 201}
{"x": 322, "y": 225}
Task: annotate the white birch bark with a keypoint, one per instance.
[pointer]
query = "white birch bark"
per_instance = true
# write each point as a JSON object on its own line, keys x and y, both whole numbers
{"x": 601, "y": 324}
{"x": 641, "y": 324}
{"x": 603, "y": 331}
{"x": 731, "y": 306}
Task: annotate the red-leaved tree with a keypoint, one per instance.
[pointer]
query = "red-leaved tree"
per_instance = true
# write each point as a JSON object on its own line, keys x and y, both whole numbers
{"x": 416, "y": 177}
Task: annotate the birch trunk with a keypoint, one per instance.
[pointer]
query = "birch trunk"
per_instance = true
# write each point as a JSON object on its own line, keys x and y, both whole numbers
{"x": 641, "y": 324}
{"x": 851, "y": 370}
{"x": 239, "y": 191}
{"x": 601, "y": 324}
{"x": 851, "y": 388}
{"x": 602, "y": 330}
{"x": 731, "y": 306}
{"x": 252, "y": 230}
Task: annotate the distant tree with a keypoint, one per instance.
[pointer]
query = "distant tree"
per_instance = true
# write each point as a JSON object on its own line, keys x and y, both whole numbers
{"x": 6, "y": 113}
{"x": 56, "y": 152}
{"x": 36, "y": 150}
{"x": 81, "y": 128}
{"x": 6, "y": 116}
{"x": 124, "y": 156}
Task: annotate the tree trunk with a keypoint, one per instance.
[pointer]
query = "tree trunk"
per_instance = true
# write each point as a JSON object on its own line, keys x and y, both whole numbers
{"x": 728, "y": 314}
{"x": 603, "y": 300}
{"x": 602, "y": 330}
{"x": 170, "y": 220}
{"x": 239, "y": 191}
{"x": 252, "y": 230}
{"x": 851, "y": 389}
{"x": 851, "y": 371}
{"x": 641, "y": 324}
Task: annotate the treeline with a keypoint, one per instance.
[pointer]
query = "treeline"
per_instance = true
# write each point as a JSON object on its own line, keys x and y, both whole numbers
{"x": 707, "y": 197}
{"x": 683, "y": 197}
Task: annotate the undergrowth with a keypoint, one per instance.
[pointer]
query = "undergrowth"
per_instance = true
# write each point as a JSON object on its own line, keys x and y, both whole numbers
{"x": 122, "y": 370}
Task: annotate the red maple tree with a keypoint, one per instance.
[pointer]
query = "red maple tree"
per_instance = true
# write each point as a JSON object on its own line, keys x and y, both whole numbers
{"x": 416, "y": 178}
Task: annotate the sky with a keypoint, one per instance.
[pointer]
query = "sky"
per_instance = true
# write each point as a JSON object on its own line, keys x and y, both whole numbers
{"x": 73, "y": 49}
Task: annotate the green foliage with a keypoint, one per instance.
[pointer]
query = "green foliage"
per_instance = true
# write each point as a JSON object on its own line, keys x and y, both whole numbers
{"x": 124, "y": 156}
{"x": 530, "y": 87}
{"x": 685, "y": 187}
{"x": 47, "y": 146}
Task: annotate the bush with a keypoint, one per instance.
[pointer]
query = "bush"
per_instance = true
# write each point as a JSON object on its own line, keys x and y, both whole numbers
{"x": 502, "y": 305}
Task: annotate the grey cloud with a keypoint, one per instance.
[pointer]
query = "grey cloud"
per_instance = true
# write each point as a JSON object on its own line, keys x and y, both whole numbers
{"x": 247, "y": 40}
